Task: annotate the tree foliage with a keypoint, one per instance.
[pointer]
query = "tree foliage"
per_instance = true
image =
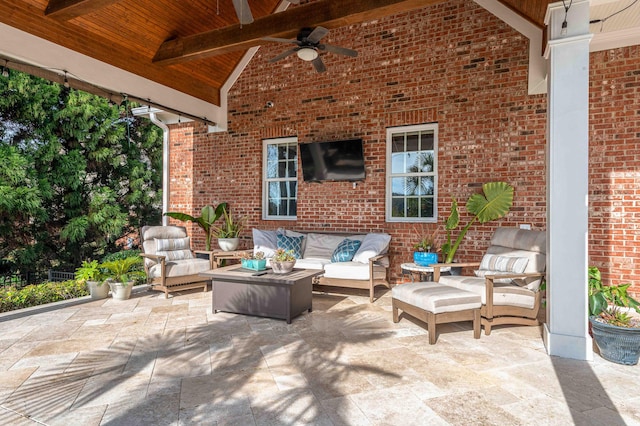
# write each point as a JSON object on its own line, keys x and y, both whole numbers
{"x": 76, "y": 174}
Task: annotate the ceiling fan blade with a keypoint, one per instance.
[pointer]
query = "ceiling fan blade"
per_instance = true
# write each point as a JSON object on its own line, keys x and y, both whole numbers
{"x": 243, "y": 11}
{"x": 283, "y": 55}
{"x": 339, "y": 50}
{"x": 281, "y": 40}
{"x": 318, "y": 64}
{"x": 317, "y": 34}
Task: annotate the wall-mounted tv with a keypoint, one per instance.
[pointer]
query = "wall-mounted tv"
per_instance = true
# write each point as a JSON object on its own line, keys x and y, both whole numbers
{"x": 335, "y": 160}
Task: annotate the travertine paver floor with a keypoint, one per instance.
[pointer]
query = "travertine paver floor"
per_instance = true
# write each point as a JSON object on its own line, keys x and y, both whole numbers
{"x": 151, "y": 361}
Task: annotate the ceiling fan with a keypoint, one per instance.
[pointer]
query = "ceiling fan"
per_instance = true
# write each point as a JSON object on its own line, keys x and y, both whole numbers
{"x": 308, "y": 47}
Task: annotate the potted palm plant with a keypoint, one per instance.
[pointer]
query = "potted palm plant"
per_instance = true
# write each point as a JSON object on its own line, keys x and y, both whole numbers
{"x": 91, "y": 274}
{"x": 616, "y": 332}
{"x": 229, "y": 231}
{"x": 494, "y": 203}
{"x": 121, "y": 274}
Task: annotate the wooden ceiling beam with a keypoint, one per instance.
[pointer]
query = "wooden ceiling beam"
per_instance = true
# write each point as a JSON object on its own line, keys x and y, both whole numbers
{"x": 66, "y": 10}
{"x": 326, "y": 13}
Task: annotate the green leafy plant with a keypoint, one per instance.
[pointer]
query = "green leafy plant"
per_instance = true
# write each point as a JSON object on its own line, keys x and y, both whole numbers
{"x": 205, "y": 221}
{"x": 123, "y": 270}
{"x": 606, "y": 301}
{"x": 230, "y": 228}
{"x": 250, "y": 255}
{"x": 89, "y": 271}
{"x": 283, "y": 255}
{"x": 494, "y": 203}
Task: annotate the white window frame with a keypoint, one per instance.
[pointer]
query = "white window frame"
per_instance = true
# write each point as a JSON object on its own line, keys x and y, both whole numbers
{"x": 430, "y": 127}
{"x": 266, "y": 180}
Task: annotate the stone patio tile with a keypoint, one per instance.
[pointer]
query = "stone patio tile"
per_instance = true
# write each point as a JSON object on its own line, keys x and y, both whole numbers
{"x": 462, "y": 408}
{"x": 291, "y": 408}
{"x": 343, "y": 411}
{"x": 396, "y": 406}
{"x": 158, "y": 411}
{"x": 112, "y": 388}
{"x": 183, "y": 362}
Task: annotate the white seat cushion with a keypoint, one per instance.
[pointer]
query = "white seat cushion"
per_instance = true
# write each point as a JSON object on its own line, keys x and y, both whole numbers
{"x": 503, "y": 294}
{"x": 180, "y": 268}
{"x": 347, "y": 270}
{"x": 435, "y": 297}
{"x": 311, "y": 263}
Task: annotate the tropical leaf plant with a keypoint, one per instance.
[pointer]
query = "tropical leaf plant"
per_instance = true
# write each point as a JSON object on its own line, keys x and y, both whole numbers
{"x": 208, "y": 216}
{"x": 493, "y": 203}
{"x": 605, "y": 301}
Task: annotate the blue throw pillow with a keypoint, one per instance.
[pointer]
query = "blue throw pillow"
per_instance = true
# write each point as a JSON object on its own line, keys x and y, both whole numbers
{"x": 291, "y": 243}
{"x": 345, "y": 250}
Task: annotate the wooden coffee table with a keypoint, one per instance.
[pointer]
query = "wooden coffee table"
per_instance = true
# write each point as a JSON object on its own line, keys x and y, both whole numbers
{"x": 265, "y": 294}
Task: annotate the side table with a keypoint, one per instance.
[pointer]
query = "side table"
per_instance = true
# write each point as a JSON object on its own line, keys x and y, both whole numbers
{"x": 220, "y": 256}
{"x": 425, "y": 273}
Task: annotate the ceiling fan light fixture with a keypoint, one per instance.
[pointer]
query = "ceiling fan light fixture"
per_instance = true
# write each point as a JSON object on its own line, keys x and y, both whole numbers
{"x": 307, "y": 54}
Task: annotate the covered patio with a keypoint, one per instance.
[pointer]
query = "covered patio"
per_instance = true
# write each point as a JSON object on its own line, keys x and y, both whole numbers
{"x": 161, "y": 361}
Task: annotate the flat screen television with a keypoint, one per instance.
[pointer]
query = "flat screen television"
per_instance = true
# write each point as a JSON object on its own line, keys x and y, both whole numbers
{"x": 335, "y": 160}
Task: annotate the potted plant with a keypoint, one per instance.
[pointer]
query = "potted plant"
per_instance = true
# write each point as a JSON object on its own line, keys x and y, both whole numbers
{"x": 616, "y": 332}
{"x": 254, "y": 261}
{"x": 425, "y": 251}
{"x": 121, "y": 274}
{"x": 207, "y": 217}
{"x": 494, "y": 203}
{"x": 92, "y": 275}
{"x": 229, "y": 231}
{"x": 283, "y": 261}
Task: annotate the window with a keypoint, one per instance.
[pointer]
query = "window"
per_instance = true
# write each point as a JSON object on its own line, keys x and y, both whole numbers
{"x": 280, "y": 178}
{"x": 412, "y": 179}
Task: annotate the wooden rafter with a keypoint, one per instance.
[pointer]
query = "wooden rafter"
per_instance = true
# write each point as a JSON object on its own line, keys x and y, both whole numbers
{"x": 69, "y": 9}
{"x": 327, "y": 13}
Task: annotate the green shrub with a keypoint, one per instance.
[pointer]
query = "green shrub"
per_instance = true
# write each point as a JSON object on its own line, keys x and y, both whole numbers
{"x": 39, "y": 294}
{"x": 120, "y": 255}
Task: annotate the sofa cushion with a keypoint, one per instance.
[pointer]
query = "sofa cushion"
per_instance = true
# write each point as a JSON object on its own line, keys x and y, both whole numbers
{"x": 291, "y": 243}
{"x": 435, "y": 297}
{"x": 180, "y": 268}
{"x": 372, "y": 245}
{"x": 313, "y": 263}
{"x": 289, "y": 233}
{"x": 347, "y": 270}
{"x": 265, "y": 241}
{"x": 345, "y": 250}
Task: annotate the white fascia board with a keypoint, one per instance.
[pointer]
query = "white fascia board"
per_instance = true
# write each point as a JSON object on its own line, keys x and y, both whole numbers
{"x": 537, "y": 63}
{"x": 29, "y": 49}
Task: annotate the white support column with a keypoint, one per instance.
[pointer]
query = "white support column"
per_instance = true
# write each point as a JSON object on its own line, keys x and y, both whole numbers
{"x": 566, "y": 331}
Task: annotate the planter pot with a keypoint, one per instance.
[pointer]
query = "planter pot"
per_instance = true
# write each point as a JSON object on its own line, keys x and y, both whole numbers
{"x": 617, "y": 344}
{"x": 424, "y": 258}
{"x": 282, "y": 267}
{"x": 97, "y": 289}
{"x": 121, "y": 291}
{"x": 228, "y": 244}
{"x": 254, "y": 264}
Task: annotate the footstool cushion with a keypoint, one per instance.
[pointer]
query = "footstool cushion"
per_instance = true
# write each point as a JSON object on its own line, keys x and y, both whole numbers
{"x": 436, "y": 303}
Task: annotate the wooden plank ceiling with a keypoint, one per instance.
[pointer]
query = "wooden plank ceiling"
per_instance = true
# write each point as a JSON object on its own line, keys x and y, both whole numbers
{"x": 193, "y": 45}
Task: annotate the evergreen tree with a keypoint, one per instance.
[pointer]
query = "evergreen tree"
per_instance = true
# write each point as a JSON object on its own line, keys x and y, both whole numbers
{"x": 77, "y": 175}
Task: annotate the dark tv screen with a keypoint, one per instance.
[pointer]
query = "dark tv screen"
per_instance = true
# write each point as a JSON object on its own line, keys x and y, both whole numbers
{"x": 336, "y": 160}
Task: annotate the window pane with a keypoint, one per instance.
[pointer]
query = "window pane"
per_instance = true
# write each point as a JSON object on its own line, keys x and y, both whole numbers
{"x": 273, "y": 208}
{"x": 291, "y": 169}
{"x": 281, "y": 178}
{"x": 397, "y": 143}
{"x": 413, "y": 142}
{"x": 412, "y": 207}
{"x": 272, "y": 161}
{"x": 427, "y": 141}
{"x": 426, "y": 207}
{"x": 426, "y": 185}
{"x": 399, "y": 186}
{"x": 293, "y": 189}
{"x": 293, "y": 208}
{"x": 397, "y": 207}
{"x": 283, "y": 150}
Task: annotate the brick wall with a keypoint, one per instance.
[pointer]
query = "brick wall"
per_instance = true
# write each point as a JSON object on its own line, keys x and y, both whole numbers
{"x": 614, "y": 191}
{"x": 452, "y": 63}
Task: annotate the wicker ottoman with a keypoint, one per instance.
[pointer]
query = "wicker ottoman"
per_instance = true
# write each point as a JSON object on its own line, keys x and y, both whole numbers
{"x": 435, "y": 303}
